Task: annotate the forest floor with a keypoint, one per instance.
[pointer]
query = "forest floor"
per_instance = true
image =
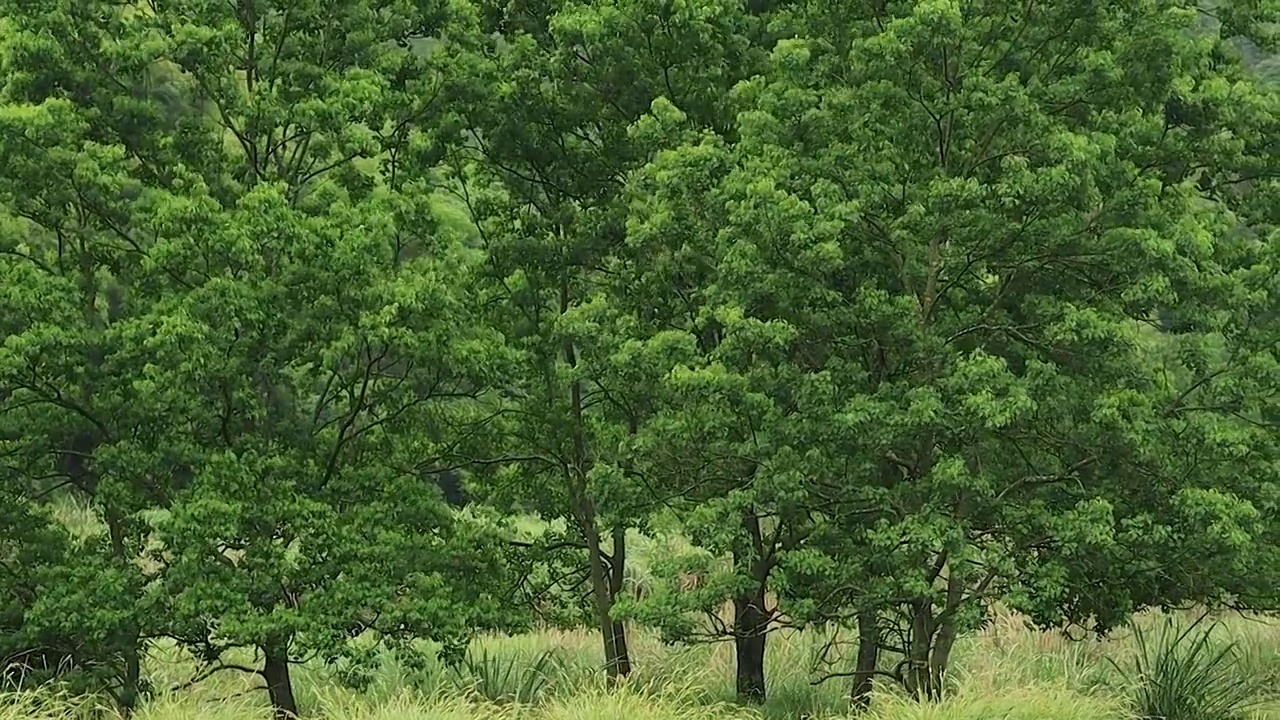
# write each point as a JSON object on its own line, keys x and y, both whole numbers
{"x": 1006, "y": 672}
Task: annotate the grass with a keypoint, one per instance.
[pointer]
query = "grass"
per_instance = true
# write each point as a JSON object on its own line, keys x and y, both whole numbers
{"x": 1161, "y": 669}
{"x": 1185, "y": 671}
{"x": 1005, "y": 673}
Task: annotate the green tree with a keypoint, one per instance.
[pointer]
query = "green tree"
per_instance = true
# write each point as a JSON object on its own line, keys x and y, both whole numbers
{"x": 245, "y": 303}
{"x": 548, "y": 110}
{"x": 69, "y": 425}
{"x": 310, "y": 520}
{"x": 745, "y": 418}
{"x": 954, "y": 223}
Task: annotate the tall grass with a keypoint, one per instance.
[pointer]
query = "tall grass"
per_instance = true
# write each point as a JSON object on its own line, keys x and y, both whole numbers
{"x": 1004, "y": 673}
{"x": 600, "y": 704}
{"x": 1187, "y": 672}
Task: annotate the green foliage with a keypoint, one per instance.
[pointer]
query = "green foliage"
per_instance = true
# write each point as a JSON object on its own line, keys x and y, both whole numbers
{"x": 869, "y": 316}
{"x": 235, "y": 318}
{"x": 916, "y": 274}
{"x": 1184, "y": 672}
{"x": 551, "y": 108}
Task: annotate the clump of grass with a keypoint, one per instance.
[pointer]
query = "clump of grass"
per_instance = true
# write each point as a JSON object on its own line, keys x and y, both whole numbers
{"x": 1259, "y": 652}
{"x": 1186, "y": 674}
{"x": 179, "y": 707}
{"x": 26, "y": 704}
{"x": 412, "y": 706}
{"x": 505, "y": 679}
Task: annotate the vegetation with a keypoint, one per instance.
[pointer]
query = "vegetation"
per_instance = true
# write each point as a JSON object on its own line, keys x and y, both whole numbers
{"x": 1185, "y": 673}
{"x": 836, "y": 341}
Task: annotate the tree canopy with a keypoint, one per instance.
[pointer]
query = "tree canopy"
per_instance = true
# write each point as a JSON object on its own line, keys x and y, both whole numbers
{"x": 896, "y": 312}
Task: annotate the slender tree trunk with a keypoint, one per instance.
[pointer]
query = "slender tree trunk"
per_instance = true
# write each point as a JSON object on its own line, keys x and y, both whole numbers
{"x": 84, "y": 475}
{"x": 617, "y": 581}
{"x": 603, "y": 600}
{"x": 130, "y": 690}
{"x": 921, "y": 679}
{"x": 131, "y": 648}
{"x": 622, "y": 655}
{"x": 945, "y": 639}
{"x": 275, "y": 670}
{"x": 585, "y": 514}
{"x": 940, "y": 656}
{"x": 933, "y": 635}
{"x": 868, "y": 656}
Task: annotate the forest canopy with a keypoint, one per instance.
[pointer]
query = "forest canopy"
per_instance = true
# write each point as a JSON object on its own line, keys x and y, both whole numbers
{"x": 896, "y": 311}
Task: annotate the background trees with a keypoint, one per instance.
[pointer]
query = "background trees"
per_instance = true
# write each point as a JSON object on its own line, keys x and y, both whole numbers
{"x": 894, "y": 312}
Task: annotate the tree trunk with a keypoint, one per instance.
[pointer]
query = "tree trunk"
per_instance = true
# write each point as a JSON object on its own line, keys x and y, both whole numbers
{"x": 918, "y": 680}
{"x": 945, "y": 639}
{"x": 603, "y": 601}
{"x": 617, "y": 581}
{"x": 749, "y": 634}
{"x": 127, "y": 698}
{"x": 868, "y": 655}
{"x": 750, "y": 621}
{"x": 83, "y": 473}
{"x": 275, "y": 670}
{"x": 584, "y": 511}
{"x": 622, "y": 655}
{"x": 131, "y": 648}
{"x": 940, "y": 656}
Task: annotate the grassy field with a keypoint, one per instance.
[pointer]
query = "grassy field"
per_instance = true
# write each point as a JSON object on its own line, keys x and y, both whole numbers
{"x": 1005, "y": 672}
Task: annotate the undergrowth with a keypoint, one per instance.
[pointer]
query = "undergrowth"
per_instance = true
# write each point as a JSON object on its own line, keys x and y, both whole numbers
{"x": 1174, "y": 670}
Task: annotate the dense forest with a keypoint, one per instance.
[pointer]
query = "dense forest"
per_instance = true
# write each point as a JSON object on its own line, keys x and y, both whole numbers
{"x": 896, "y": 311}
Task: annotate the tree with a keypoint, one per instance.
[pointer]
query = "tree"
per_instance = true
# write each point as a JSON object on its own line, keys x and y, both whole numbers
{"x": 269, "y": 344}
{"x": 66, "y": 415}
{"x": 748, "y": 406}
{"x": 37, "y": 552}
{"x": 548, "y": 110}
{"x": 308, "y": 521}
{"x": 953, "y": 222}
